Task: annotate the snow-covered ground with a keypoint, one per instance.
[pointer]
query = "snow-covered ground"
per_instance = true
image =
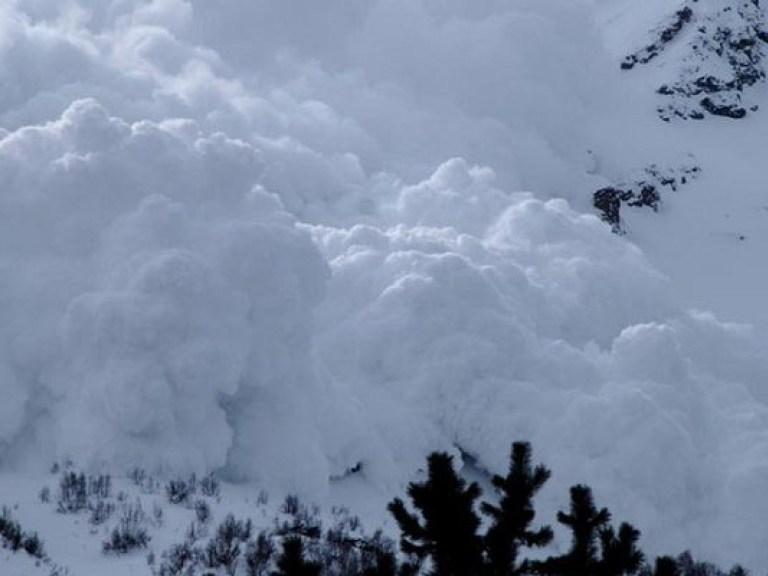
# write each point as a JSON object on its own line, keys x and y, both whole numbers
{"x": 305, "y": 245}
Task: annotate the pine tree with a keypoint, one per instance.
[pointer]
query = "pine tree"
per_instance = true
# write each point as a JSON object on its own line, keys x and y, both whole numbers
{"x": 620, "y": 554}
{"x": 445, "y": 527}
{"x": 512, "y": 518}
{"x": 292, "y": 562}
{"x": 686, "y": 565}
{"x": 666, "y": 566}
{"x": 596, "y": 549}
{"x": 385, "y": 564}
{"x": 585, "y": 522}
{"x": 378, "y": 556}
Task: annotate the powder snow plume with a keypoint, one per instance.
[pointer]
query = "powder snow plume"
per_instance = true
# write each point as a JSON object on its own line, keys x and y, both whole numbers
{"x": 280, "y": 240}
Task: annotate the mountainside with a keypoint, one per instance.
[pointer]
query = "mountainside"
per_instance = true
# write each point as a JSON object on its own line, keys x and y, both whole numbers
{"x": 718, "y": 48}
{"x": 303, "y": 245}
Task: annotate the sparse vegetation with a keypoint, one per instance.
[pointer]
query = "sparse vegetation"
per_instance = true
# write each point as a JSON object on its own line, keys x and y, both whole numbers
{"x": 258, "y": 556}
{"x": 180, "y": 490}
{"x": 209, "y": 486}
{"x": 224, "y": 549}
{"x": 101, "y": 512}
{"x": 441, "y": 531}
{"x": 73, "y": 493}
{"x": 179, "y": 559}
{"x": 202, "y": 511}
{"x": 341, "y": 550}
{"x": 13, "y": 537}
{"x": 130, "y": 533}
{"x": 78, "y": 493}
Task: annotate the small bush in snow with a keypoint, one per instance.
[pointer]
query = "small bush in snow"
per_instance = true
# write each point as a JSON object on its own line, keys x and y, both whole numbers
{"x": 130, "y": 534}
{"x": 202, "y": 511}
{"x": 78, "y": 492}
{"x": 73, "y": 493}
{"x": 258, "y": 556}
{"x": 179, "y": 491}
{"x": 209, "y": 486}
{"x": 101, "y": 512}
{"x": 138, "y": 476}
{"x": 32, "y": 545}
{"x": 303, "y": 520}
{"x": 100, "y": 487}
{"x": 181, "y": 559}
{"x": 157, "y": 514}
{"x": 13, "y": 537}
{"x": 224, "y": 548}
{"x": 193, "y": 533}
{"x": 291, "y": 505}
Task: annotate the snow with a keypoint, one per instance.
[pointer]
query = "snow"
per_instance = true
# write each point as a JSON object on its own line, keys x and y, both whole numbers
{"x": 236, "y": 239}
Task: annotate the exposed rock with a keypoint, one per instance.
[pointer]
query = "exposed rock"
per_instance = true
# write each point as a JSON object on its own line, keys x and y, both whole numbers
{"x": 665, "y": 36}
{"x": 728, "y": 110}
{"x": 642, "y": 192}
{"x": 725, "y": 56}
{"x": 608, "y": 201}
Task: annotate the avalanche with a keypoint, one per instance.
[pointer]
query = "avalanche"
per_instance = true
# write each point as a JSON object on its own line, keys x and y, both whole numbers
{"x": 302, "y": 245}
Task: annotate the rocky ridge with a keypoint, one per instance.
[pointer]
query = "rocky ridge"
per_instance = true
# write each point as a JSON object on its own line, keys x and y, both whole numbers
{"x": 724, "y": 59}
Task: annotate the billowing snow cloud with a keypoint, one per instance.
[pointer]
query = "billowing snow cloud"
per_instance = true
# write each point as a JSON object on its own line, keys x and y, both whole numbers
{"x": 234, "y": 239}
{"x": 160, "y": 298}
{"x": 549, "y": 327}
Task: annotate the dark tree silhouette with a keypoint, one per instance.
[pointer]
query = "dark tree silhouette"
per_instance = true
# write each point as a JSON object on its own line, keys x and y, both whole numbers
{"x": 512, "y": 518}
{"x": 445, "y": 527}
{"x": 379, "y": 557}
{"x": 291, "y": 561}
{"x": 591, "y": 534}
{"x": 686, "y": 565}
{"x": 666, "y": 566}
{"x": 384, "y": 564}
{"x": 620, "y": 554}
{"x": 226, "y": 547}
{"x": 585, "y": 522}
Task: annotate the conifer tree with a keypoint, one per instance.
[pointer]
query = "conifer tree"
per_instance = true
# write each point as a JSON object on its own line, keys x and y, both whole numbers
{"x": 620, "y": 554}
{"x": 378, "y": 556}
{"x": 596, "y": 549}
{"x": 512, "y": 518}
{"x": 585, "y": 522}
{"x": 292, "y": 562}
{"x": 445, "y": 527}
{"x": 385, "y": 565}
{"x": 686, "y": 565}
{"x": 666, "y": 566}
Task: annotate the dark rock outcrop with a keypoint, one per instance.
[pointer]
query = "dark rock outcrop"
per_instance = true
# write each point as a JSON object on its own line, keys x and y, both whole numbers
{"x": 643, "y": 192}
{"x": 725, "y": 57}
{"x": 665, "y": 36}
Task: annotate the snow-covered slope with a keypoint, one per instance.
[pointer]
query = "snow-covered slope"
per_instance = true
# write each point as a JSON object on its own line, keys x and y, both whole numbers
{"x": 716, "y": 52}
{"x": 303, "y": 246}
{"x": 713, "y": 234}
